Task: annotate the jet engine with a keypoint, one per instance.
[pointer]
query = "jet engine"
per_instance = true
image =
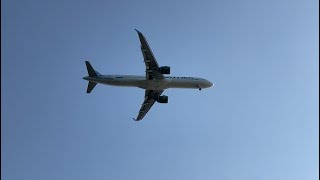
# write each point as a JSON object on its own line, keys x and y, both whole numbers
{"x": 162, "y": 99}
{"x": 165, "y": 70}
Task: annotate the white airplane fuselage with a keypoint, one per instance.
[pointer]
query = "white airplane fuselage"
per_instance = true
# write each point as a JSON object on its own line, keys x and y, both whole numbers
{"x": 154, "y": 84}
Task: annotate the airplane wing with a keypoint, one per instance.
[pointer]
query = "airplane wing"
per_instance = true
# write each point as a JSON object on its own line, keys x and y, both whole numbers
{"x": 152, "y": 67}
{"x": 149, "y": 100}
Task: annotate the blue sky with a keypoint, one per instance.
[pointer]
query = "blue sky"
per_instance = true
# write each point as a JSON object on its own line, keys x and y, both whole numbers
{"x": 260, "y": 121}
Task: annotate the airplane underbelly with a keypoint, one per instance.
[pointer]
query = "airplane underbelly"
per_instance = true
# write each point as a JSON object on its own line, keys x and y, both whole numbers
{"x": 126, "y": 83}
{"x": 155, "y": 84}
{"x": 182, "y": 84}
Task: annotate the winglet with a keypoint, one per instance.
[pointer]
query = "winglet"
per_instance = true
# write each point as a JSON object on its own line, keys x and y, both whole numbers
{"x": 135, "y": 119}
{"x": 138, "y": 32}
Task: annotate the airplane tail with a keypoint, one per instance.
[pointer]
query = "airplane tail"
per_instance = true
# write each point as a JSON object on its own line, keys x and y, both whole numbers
{"x": 91, "y": 85}
{"x": 92, "y": 73}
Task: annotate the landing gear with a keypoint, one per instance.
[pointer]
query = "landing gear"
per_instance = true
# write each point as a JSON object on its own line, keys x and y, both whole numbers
{"x": 199, "y": 88}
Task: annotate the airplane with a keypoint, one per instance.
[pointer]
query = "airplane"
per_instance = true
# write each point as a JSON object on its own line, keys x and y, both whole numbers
{"x": 154, "y": 82}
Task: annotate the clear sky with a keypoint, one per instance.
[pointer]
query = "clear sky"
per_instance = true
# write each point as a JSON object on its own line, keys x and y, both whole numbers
{"x": 260, "y": 121}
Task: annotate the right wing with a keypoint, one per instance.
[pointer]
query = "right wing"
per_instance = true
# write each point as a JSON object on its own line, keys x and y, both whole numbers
{"x": 149, "y": 100}
{"x": 152, "y": 67}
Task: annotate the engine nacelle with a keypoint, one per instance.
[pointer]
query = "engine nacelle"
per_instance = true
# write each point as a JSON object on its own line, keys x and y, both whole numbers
{"x": 162, "y": 99}
{"x": 165, "y": 70}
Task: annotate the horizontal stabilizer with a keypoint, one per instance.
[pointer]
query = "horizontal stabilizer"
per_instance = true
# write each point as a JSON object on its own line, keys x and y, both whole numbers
{"x": 91, "y": 85}
{"x": 91, "y": 71}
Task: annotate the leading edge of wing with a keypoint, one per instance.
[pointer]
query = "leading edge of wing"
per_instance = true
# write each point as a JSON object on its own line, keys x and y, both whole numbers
{"x": 149, "y": 100}
{"x": 152, "y": 67}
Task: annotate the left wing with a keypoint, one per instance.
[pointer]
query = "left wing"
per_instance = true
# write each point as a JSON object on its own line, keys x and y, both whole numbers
{"x": 149, "y": 99}
{"x": 152, "y": 67}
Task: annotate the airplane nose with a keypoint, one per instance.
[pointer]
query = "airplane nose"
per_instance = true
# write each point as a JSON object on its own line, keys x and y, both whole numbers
{"x": 210, "y": 84}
